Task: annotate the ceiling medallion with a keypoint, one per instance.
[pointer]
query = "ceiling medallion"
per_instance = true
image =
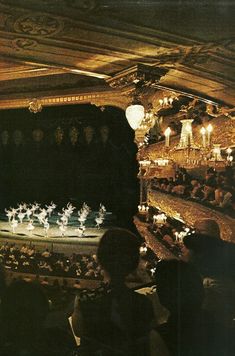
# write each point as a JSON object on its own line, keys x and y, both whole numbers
{"x": 38, "y": 25}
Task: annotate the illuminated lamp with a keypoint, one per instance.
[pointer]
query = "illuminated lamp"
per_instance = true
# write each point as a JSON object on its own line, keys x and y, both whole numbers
{"x": 135, "y": 114}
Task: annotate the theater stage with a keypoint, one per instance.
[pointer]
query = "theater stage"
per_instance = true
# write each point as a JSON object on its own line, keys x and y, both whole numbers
{"x": 67, "y": 244}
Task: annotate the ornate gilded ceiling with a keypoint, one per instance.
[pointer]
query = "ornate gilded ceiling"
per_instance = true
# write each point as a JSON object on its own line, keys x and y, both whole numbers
{"x": 57, "y": 49}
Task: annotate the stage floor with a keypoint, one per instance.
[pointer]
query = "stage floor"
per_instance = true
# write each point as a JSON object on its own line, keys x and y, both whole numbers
{"x": 54, "y": 239}
{"x": 38, "y": 233}
{"x": 68, "y": 243}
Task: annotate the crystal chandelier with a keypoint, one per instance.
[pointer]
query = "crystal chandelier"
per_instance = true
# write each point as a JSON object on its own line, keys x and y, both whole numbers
{"x": 186, "y": 136}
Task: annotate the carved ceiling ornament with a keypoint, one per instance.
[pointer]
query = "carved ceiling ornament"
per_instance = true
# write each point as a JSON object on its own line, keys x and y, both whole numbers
{"x": 196, "y": 54}
{"x": 38, "y": 25}
{"x": 35, "y": 106}
{"x": 219, "y": 111}
{"x": 120, "y": 102}
{"x": 3, "y": 19}
{"x": 24, "y": 43}
{"x": 141, "y": 74}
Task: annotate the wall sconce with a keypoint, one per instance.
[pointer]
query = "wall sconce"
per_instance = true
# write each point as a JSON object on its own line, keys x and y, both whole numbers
{"x": 161, "y": 162}
{"x": 167, "y": 136}
{"x": 217, "y": 153}
{"x": 159, "y": 219}
{"x": 145, "y": 163}
{"x": 143, "y": 209}
{"x": 203, "y": 133}
{"x": 229, "y": 151}
{"x": 209, "y": 130}
{"x": 229, "y": 156}
{"x": 166, "y": 101}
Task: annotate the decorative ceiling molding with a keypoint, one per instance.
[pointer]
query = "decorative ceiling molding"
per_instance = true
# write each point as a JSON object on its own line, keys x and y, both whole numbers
{"x": 44, "y": 62}
{"x": 158, "y": 78}
{"x": 45, "y": 25}
{"x": 41, "y": 25}
{"x": 120, "y": 102}
{"x": 14, "y": 70}
{"x": 38, "y": 25}
{"x": 201, "y": 57}
{"x": 140, "y": 73}
{"x": 100, "y": 38}
{"x": 192, "y": 84}
{"x": 96, "y": 98}
{"x": 100, "y": 24}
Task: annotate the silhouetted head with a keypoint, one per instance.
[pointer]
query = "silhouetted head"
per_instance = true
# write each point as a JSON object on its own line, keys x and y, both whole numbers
{"x": 207, "y": 227}
{"x": 118, "y": 253}
{"x": 179, "y": 287}
{"x": 201, "y": 243}
{"x": 24, "y": 309}
{"x": 207, "y": 254}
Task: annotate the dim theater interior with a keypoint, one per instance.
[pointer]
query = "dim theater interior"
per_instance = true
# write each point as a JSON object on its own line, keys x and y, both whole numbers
{"x": 117, "y": 178}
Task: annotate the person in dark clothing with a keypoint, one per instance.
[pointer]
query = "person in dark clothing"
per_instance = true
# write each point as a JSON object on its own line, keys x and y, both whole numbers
{"x": 214, "y": 258}
{"x": 114, "y": 319}
{"x": 24, "y": 308}
{"x": 180, "y": 290}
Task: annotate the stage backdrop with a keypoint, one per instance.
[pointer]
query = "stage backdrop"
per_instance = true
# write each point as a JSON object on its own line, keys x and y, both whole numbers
{"x": 77, "y": 153}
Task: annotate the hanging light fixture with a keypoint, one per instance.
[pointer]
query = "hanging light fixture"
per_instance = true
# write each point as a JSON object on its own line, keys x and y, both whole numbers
{"x": 136, "y": 80}
{"x": 135, "y": 111}
{"x": 135, "y": 114}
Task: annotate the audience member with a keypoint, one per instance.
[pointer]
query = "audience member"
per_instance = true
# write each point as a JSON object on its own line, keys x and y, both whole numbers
{"x": 226, "y": 199}
{"x": 213, "y": 256}
{"x": 25, "y": 330}
{"x": 215, "y": 260}
{"x": 197, "y": 190}
{"x": 180, "y": 290}
{"x": 207, "y": 226}
{"x": 114, "y": 319}
{"x": 217, "y": 190}
{"x": 24, "y": 308}
{"x": 28, "y": 260}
